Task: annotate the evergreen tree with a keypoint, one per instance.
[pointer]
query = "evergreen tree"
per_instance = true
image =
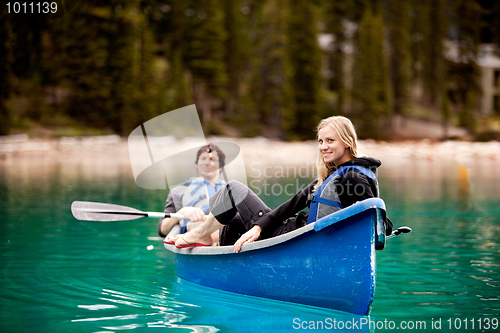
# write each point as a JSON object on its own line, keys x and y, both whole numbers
{"x": 122, "y": 67}
{"x": 468, "y": 110}
{"x": 370, "y": 92}
{"x": 6, "y": 60}
{"x": 178, "y": 85}
{"x": 27, "y": 65}
{"x": 146, "y": 85}
{"x": 467, "y": 72}
{"x": 27, "y": 43}
{"x": 495, "y": 27}
{"x": 205, "y": 54}
{"x": 121, "y": 62}
{"x": 107, "y": 64}
{"x": 82, "y": 40}
{"x": 418, "y": 22}
{"x": 399, "y": 40}
{"x": 445, "y": 111}
{"x": 267, "y": 103}
{"x": 335, "y": 13}
{"x": 433, "y": 63}
{"x": 357, "y": 9}
{"x": 305, "y": 66}
{"x": 236, "y": 53}
{"x": 170, "y": 23}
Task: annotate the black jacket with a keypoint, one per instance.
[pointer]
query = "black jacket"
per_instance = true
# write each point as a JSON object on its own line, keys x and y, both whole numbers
{"x": 352, "y": 187}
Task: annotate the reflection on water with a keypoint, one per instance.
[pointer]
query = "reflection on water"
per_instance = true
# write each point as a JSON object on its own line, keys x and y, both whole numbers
{"x": 59, "y": 274}
{"x": 463, "y": 186}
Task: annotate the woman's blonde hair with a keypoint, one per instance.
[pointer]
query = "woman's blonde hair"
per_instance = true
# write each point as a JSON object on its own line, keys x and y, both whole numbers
{"x": 347, "y": 133}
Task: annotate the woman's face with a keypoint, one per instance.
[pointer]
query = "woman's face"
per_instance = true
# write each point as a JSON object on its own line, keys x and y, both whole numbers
{"x": 208, "y": 165}
{"x": 331, "y": 147}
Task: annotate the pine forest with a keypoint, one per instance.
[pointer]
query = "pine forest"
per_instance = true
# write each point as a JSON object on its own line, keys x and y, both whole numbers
{"x": 269, "y": 68}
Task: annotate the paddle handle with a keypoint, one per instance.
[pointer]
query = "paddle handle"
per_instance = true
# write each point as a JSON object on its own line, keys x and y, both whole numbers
{"x": 164, "y": 215}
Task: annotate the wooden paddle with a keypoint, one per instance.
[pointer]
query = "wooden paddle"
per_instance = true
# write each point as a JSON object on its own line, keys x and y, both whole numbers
{"x": 102, "y": 212}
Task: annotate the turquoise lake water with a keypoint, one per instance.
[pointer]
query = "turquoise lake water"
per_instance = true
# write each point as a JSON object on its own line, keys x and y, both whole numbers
{"x": 58, "y": 274}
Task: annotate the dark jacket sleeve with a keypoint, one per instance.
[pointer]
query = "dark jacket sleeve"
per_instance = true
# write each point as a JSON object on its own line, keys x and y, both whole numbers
{"x": 170, "y": 205}
{"x": 353, "y": 187}
{"x": 287, "y": 209}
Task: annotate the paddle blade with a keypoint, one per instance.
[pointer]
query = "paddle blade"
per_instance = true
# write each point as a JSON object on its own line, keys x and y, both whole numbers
{"x": 102, "y": 212}
{"x": 402, "y": 230}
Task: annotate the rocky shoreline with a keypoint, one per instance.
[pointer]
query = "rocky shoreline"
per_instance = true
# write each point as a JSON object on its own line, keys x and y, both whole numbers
{"x": 108, "y": 156}
{"x": 114, "y": 149}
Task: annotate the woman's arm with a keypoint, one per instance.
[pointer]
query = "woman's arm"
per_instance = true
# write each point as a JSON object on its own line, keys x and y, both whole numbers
{"x": 287, "y": 209}
{"x": 276, "y": 216}
{"x": 248, "y": 237}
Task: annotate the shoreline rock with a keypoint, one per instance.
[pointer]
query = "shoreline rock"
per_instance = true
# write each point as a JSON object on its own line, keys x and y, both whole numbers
{"x": 100, "y": 157}
{"x": 115, "y": 149}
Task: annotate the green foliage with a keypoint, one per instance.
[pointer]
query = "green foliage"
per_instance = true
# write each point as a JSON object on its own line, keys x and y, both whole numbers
{"x": 495, "y": 24}
{"x": 464, "y": 71}
{"x": 106, "y": 63}
{"x": 335, "y": 13}
{"x": 205, "y": 47}
{"x": 269, "y": 87}
{"x": 398, "y": 23}
{"x": 146, "y": 85}
{"x": 169, "y": 23}
{"x": 467, "y": 118}
{"x": 113, "y": 64}
{"x": 203, "y": 53}
{"x": 305, "y": 64}
{"x": 6, "y": 60}
{"x": 419, "y": 18}
{"x": 176, "y": 87}
{"x": 445, "y": 107}
{"x": 435, "y": 33}
{"x": 370, "y": 90}
{"x": 237, "y": 49}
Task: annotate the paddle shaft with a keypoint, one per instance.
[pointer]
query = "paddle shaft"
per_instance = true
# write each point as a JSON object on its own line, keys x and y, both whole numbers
{"x": 142, "y": 214}
{"x": 95, "y": 211}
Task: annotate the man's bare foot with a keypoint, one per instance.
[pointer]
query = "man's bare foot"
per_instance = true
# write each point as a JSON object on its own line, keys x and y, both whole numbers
{"x": 192, "y": 239}
{"x": 171, "y": 239}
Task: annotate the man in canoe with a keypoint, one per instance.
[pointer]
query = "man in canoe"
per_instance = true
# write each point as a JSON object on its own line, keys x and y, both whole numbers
{"x": 344, "y": 178}
{"x": 191, "y": 198}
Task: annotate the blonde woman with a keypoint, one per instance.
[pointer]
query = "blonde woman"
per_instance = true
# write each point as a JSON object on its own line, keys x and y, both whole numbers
{"x": 344, "y": 178}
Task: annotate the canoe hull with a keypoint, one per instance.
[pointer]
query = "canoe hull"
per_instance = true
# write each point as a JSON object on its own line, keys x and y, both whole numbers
{"x": 330, "y": 268}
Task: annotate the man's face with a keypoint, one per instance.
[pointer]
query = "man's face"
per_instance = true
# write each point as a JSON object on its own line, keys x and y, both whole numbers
{"x": 208, "y": 165}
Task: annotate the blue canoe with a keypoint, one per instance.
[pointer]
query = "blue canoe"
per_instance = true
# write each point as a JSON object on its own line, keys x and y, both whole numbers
{"x": 329, "y": 263}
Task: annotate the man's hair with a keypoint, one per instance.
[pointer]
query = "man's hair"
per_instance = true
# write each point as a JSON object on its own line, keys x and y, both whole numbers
{"x": 210, "y": 148}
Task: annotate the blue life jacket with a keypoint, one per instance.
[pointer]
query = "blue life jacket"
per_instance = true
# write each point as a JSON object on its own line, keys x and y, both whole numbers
{"x": 198, "y": 191}
{"x": 325, "y": 200}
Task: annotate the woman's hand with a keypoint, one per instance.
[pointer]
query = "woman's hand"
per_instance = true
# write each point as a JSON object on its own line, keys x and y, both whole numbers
{"x": 194, "y": 214}
{"x": 248, "y": 237}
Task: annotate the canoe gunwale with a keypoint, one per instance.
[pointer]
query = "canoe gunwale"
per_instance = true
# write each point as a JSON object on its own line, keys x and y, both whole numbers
{"x": 341, "y": 215}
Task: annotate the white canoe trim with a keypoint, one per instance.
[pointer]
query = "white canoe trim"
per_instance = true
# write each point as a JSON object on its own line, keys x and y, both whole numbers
{"x": 229, "y": 249}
